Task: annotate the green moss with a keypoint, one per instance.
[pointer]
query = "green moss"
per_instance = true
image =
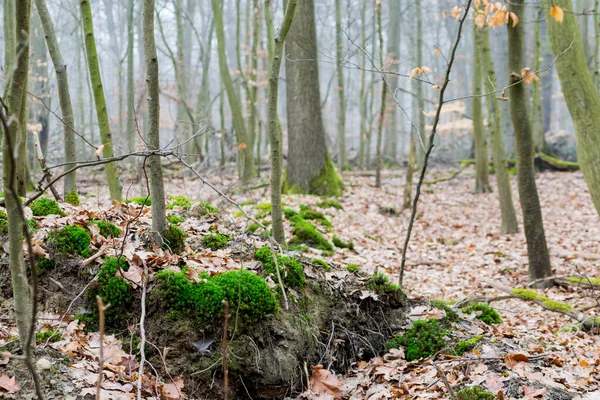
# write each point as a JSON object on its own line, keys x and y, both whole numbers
{"x": 204, "y": 208}
{"x": 583, "y": 280}
{"x": 352, "y": 268}
{"x": 292, "y": 272}
{"x": 72, "y": 198}
{"x": 381, "y": 284}
{"x": 246, "y": 202}
{"x": 327, "y": 183}
{"x": 45, "y": 206}
{"x": 71, "y": 239}
{"x": 44, "y": 264}
{"x": 174, "y": 239}
{"x": 299, "y": 247}
{"x": 528, "y": 294}
{"x": 107, "y": 229}
{"x": 215, "y": 241}
{"x": 451, "y": 314}
{"x": 253, "y": 228}
{"x": 179, "y": 201}
{"x": 42, "y": 337}
{"x": 306, "y": 233}
{"x": 337, "y": 242}
{"x": 322, "y": 264}
{"x": 289, "y": 213}
{"x": 175, "y": 219}
{"x": 423, "y": 339}
{"x": 484, "y": 312}
{"x": 330, "y": 203}
{"x": 310, "y": 214}
{"x": 264, "y": 207}
{"x": 474, "y": 393}
{"x": 467, "y": 345}
{"x": 142, "y": 201}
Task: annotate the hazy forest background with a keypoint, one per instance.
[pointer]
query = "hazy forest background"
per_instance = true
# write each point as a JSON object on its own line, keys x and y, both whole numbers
{"x": 315, "y": 199}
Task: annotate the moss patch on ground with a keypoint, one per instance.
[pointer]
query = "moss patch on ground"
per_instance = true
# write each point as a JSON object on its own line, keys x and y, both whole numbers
{"x": 423, "y": 339}
{"x": 467, "y": 345}
{"x": 330, "y": 203}
{"x": 71, "y": 239}
{"x": 581, "y": 280}
{"x": 337, "y": 242}
{"x": 72, "y": 198}
{"x": 174, "y": 238}
{"x": 141, "y": 201}
{"x": 306, "y": 233}
{"x": 474, "y": 393}
{"x": 45, "y": 206}
{"x": 215, "y": 241}
{"x": 107, "y": 229}
{"x": 179, "y": 201}
{"x": 291, "y": 271}
{"x": 484, "y": 312}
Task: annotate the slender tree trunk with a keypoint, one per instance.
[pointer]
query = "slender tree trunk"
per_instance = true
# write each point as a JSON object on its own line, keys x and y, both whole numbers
{"x": 362, "y": 91}
{"x": 223, "y": 129}
{"x": 254, "y": 117}
{"x": 157, "y": 190}
{"x": 339, "y": 55}
{"x": 310, "y": 169}
{"x": 507, "y": 208}
{"x": 410, "y": 170}
{"x": 39, "y": 84}
{"x": 482, "y": 181}
{"x": 383, "y": 97}
{"x": 274, "y": 132}
{"x": 64, "y": 96}
{"x": 419, "y": 85}
{"x": 369, "y": 132}
{"x": 537, "y": 250}
{"x": 10, "y": 40}
{"x": 580, "y": 93}
{"x": 245, "y": 151}
{"x": 131, "y": 126}
{"x": 393, "y": 50}
{"x": 110, "y": 169}
{"x": 596, "y": 74}
{"x": 537, "y": 120}
{"x": 548, "y": 83}
{"x": 16, "y": 133}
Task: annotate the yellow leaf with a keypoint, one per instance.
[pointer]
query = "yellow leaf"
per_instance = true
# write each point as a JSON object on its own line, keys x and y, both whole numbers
{"x": 99, "y": 150}
{"x": 557, "y": 13}
{"x": 437, "y": 52}
{"x": 477, "y": 3}
{"x": 456, "y": 11}
{"x": 514, "y": 18}
{"x": 413, "y": 72}
{"x": 480, "y": 20}
{"x": 443, "y": 15}
{"x": 528, "y": 76}
{"x": 242, "y": 146}
{"x": 424, "y": 70}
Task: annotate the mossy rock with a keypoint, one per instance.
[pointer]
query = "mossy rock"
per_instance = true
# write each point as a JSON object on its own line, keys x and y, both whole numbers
{"x": 423, "y": 339}
{"x": 45, "y": 206}
{"x": 71, "y": 239}
{"x": 174, "y": 239}
{"x": 107, "y": 229}
{"x": 215, "y": 241}
{"x": 291, "y": 271}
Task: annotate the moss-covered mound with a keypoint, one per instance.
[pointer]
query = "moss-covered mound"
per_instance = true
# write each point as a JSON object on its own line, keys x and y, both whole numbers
{"x": 71, "y": 240}
{"x": 484, "y": 312}
{"x": 291, "y": 271}
{"x": 339, "y": 243}
{"x": 179, "y": 201}
{"x": 215, "y": 241}
{"x": 72, "y": 198}
{"x": 306, "y": 233}
{"x": 474, "y": 393}
{"x": 45, "y": 206}
{"x": 423, "y": 339}
{"x": 107, "y": 229}
{"x": 174, "y": 239}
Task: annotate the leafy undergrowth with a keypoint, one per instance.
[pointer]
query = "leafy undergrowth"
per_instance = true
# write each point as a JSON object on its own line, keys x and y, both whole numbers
{"x": 457, "y": 247}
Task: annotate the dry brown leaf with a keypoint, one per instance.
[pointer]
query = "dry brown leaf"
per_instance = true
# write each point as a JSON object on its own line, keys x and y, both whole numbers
{"x": 513, "y": 359}
{"x": 324, "y": 382}
{"x": 8, "y": 384}
{"x": 172, "y": 391}
{"x": 557, "y": 13}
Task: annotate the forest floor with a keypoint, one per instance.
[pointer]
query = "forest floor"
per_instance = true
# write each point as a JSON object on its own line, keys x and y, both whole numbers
{"x": 456, "y": 252}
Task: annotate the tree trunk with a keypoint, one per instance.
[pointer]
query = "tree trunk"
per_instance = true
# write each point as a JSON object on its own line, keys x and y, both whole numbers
{"x": 16, "y": 133}
{"x": 254, "y": 117}
{"x": 110, "y": 169}
{"x": 482, "y": 179}
{"x": 383, "y": 102}
{"x": 393, "y": 50}
{"x": 537, "y": 250}
{"x": 131, "y": 126}
{"x": 10, "y": 41}
{"x": 580, "y": 94}
{"x": 507, "y": 209}
{"x": 339, "y": 55}
{"x": 537, "y": 111}
{"x": 64, "y": 97}
{"x": 362, "y": 90}
{"x": 157, "y": 190}
{"x": 419, "y": 85}
{"x": 245, "y": 151}
{"x": 310, "y": 169}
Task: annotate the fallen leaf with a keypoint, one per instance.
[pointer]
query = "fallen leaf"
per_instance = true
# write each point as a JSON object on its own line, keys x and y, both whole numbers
{"x": 557, "y": 13}
{"x": 324, "y": 382}
{"x": 9, "y": 384}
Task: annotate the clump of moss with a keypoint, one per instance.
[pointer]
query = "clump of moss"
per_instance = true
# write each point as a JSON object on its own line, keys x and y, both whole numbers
{"x": 582, "y": 280}
{"x": 322, "y": 264}
{"x": 113, "y": 290}
{"x": 337, "y": 242}
{"x": 451, "y": 314}
{"x": 389, "y": 211}
{"x": 247, "y": 294}
{"x": 44, "y": 264}
{"x": 42, "y": 337}
{"x": 474, "y": 393}
{"x": 71, "y": 239}
{"x": 107, "y": 229}
{"x": 215, "y": 241}
{"x": 330, "y": 203}
{"x": 203, "y": 208}
{"x": 421, "y": 340}
{"x": 381, "y": 284}
{"x": 253, "y": 228}
{"x": 264, "y": 207}
{"x": 484, "y": 312}
{"x": 327, "y": 183}
{"x": 141, "y": 201}
{"x": 310, "y": 214}
{"x": 289, "y": 213}
{"x": 292, "y": 272}
{"x": 179, "y": 201}
{"x": 45, "y": 206}
{"x": 4, "y": 223}
{"x": 534, "y": 296}
{"x": 467, "y": 345}
{"x": 72, "y": 198}
{"x": 352, "y": 268}
{"x": 306, "y": 233}
{"x": 175, "y": 219}
{"x": 174, "y": 238}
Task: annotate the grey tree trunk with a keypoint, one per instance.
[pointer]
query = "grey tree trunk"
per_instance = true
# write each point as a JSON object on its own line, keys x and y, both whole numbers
{"x": 482, "y": 180}
{"x": 131, "y": 128}
{"x": 339, "y": 55}
{"x": 390, "y": 153}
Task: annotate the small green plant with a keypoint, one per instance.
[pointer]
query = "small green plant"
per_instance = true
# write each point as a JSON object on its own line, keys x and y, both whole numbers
{"x": 71, "y": 239}
{"x": 423, "y": 339}
{"x": 330, "y": 203}
{"x": 215, "y": 241}
{"x": 179, "y": 201}
{"x": 298, "y": 247}
{"x": 484, "y": 312}
{"x": 107, "y": 229}
{"x": 381, "y": 284}
{"x": 45, "y": 206}
{"x": 175, "y": 219}
{"x": 306, "y": 233}
{"x": 322, "y": 264}
{"x": 3, "y": 223}
{"x": 310, "y": 214}
{"x": 141, "y": 201}
{"x": 42, "y": 337}
{"x": 72, "y": 198}
{"x": 113, "y": 290}
{"x": 467, "y": 345}
{"x": 474, "y": 393}
{"x": 174, "y": 238}
{"x": 292, "y": 272}
{"x": 337, "y": 242}
{"x": 352, "y": 268}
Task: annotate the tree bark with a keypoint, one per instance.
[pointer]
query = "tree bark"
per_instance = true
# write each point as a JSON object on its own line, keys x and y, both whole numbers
{"x": 362, "y": 90}
{"x": 419, "y": 85}
{"x": 507, "y": 208}
{"x": 64, "y": 96}
{"x": 393, "y": 49}
{"x": 339, "y": 55}
{"x": 482, "y": 179}
{"x": 310, "y": 169}
{"x": 580, "y": 93}
{"x": 537, "y": 249}
{"x": 110, "y": 169}
{"x": 131, "y": 126}
{"x": 537, "y": 111}
{"x": 10, "y": 41}
{"x": 383, "y": 100}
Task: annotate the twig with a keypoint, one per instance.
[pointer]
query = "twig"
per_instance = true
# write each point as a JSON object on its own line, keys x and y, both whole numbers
{"x": 101, "y": 309}
{"x": 224, "y": 353}
{"x": 142, "y": 333}
{"x": 94, "y": 257}
{"x": 446, "y": 383}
